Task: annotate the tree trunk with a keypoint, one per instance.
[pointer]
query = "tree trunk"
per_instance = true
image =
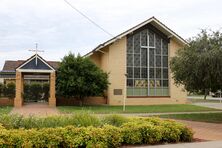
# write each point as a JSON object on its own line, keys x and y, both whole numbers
{"x": 205, "y": 94}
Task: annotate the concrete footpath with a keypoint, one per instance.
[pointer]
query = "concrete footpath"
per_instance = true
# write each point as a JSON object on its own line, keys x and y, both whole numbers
{"x": 210, "y": 105}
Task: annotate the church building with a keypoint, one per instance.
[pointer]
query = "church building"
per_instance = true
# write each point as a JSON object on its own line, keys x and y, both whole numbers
{"x": 137, "y": 61}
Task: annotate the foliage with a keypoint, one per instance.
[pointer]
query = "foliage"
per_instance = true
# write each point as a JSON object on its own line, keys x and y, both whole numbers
{"x": 36, "y": 90}
{"x": 197, "y": 66}
{"x": 115, "y": 120}
{"x": 45, "y": 91}
{"x": 9, "y": 90}
{"x": 135, "y": 131}
{"x": 79, "y": 77}
{"x": 78, "y": 120}
{"x": 1, "y": 89}
{"x": 5, "y": 110}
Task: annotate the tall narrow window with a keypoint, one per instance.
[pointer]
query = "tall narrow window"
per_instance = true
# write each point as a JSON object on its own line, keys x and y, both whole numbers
{"x": 147, "y": 64}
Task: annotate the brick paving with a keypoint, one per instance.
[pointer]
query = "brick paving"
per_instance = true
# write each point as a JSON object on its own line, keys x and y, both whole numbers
{"x": 209, "y": 144}
{"x": 36, "y": 109}
{"x": 205, "y": 131}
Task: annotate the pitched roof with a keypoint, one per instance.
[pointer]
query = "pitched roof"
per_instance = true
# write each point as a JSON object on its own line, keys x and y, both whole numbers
{"x": 153, "y": 21}
{"x": 12, "y": 65}
{"x": 31, "y": 58}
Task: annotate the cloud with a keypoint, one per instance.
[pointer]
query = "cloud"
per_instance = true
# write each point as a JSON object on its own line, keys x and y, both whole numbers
{"x": 59, "y": 29}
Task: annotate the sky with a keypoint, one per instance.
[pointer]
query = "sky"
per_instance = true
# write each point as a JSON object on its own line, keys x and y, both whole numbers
{"x": 58, "y": 29}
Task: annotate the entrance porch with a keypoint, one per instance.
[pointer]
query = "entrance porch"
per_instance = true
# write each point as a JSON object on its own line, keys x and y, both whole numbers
{"x": 34, "y": 65}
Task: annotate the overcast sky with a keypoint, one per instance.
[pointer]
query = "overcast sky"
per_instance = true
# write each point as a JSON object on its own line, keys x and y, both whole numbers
{"x": 58, "y": 29}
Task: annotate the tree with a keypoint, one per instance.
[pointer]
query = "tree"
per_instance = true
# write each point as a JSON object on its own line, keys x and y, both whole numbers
{"x": 198, "y": 66}
{"x": 79, "y": 77}
{"x": 1, "y": 89}
{"x": 9, "y": 90}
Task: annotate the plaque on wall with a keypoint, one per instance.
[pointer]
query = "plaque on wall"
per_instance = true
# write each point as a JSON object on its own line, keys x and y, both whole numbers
{"x": 118, "y": 91}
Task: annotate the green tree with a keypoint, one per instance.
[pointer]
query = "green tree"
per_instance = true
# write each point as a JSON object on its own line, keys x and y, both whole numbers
{"x": 45, "y": 91}
{"x": 79, "y": 77}
{"x": 198, "y": 66}
{"x": 9, "y": 90}
{"x": 1, "y": 89}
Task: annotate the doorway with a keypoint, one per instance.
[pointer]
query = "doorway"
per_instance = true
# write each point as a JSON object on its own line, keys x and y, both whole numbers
{"x": 36, "y": 88}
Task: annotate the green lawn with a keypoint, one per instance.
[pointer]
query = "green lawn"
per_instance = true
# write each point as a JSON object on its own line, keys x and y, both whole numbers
{"x": 5, "y": 109}
{"x": 203, "y": 117}
{"x": 135, "y": 109}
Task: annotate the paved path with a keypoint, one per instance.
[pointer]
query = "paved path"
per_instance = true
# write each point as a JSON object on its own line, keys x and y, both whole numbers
{"x": 209, "y": 144}
{"x": 210, "y": 105}
{"x": 35, "y": 109}
{"x": 205, "y": 131}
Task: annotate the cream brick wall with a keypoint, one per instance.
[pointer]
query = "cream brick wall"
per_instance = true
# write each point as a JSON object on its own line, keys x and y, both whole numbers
{"x": 96, "y": 58}
{"x": 117, "y": 69}
{"x": 176, "y": 93}
{"x": 113, "y": 61}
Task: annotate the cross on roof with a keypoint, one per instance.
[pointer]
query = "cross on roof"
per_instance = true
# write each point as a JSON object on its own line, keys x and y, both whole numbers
{"x": 36, "y": 49}
{"x": 36, "y": 52}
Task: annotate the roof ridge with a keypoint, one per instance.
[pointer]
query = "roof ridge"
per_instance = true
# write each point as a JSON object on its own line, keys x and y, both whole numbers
{"x": 132, "y": 29}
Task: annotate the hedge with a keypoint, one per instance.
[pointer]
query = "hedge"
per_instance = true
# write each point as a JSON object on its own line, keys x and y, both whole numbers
{"x": 134, "y": 131}
{"x": 7, "y": 90}
{"x": 36, "y": 90}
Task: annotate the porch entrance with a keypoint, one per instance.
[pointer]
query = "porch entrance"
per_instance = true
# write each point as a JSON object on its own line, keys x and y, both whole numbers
{"x": 35, "y": 65}
{"x": 36, "y": 88}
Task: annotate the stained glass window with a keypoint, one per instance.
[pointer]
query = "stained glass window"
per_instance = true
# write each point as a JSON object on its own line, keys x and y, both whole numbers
{"x": 147, "y": 64}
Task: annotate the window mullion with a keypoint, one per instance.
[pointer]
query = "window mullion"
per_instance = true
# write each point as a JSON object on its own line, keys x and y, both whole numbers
{"x": 133, "y": 66}
{"x": 154, "y": 64}
{"x": 148, "y": 65}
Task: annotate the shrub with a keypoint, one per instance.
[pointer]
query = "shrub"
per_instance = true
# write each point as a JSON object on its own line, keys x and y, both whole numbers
{"x": 9, "y": 90}
{"x": 113, "y": 136}
{"x": 84, "y": 119}
{"x": 131, "y": 133}
{"x": 36, "y": 90}
{"x": 151, "y": 134}
{"x": 78, "y": 120}
{"x": 45, "y": 90}
{"x": 1, "y": 89}
{"x": 171, "y": 131}
{"x": 186, "y": 135}
{"x": 136, "y": 131}
{"x": 115, "y": 120}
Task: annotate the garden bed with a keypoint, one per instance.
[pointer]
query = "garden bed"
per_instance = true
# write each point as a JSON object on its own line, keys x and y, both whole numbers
{"x": 84, "y": 130}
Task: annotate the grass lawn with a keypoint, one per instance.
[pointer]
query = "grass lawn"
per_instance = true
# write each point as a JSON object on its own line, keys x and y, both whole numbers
{"x": 5, "y": 109}
{"x": 135, "y": 109}
{"x": 203, "y": 117}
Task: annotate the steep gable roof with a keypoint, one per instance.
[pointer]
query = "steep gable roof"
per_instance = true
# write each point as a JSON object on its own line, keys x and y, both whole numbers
{"x": 35, "y": 62}
{"x": 10, "y": 66}
{"x": 153, "y": 21}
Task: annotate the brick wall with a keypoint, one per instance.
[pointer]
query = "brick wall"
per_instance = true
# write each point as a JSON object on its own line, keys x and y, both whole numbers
{"x": 60, "y": 101}
{"x": 6, "y": 102}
